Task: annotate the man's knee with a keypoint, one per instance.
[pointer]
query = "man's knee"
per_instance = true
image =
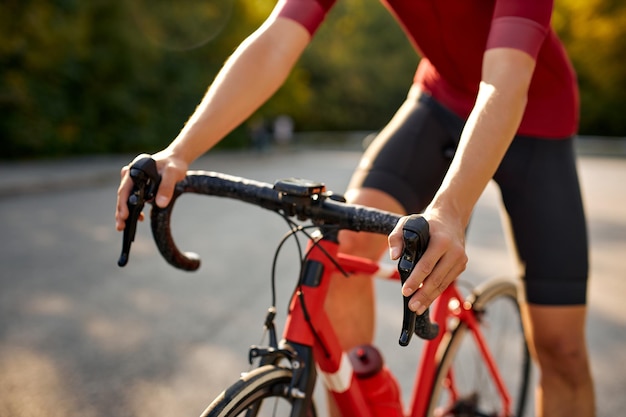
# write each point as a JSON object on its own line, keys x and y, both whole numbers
{"x": 558, "y": 338}
{"x": 563, "y": 357}
{"x": 367, "y": 245}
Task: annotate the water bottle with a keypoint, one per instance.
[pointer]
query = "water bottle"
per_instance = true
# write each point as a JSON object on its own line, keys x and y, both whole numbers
{"x": 379, "y": 386}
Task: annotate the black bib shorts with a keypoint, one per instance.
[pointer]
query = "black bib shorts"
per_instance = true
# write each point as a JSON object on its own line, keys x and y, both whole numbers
{"x": 537, "y": 178}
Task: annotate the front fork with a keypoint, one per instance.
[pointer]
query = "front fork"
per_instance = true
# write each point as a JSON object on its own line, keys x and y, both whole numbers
{"x": 300, "y": 341}
{"x": 300, "y": 359}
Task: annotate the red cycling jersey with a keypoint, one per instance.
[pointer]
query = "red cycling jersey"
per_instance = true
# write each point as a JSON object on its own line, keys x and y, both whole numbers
{"x": 452, "y": 36}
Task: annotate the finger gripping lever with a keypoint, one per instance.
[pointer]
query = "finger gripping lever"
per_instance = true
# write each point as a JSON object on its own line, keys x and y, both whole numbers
{"x": 146, "y": 181}
{"x": 415, "y": 234}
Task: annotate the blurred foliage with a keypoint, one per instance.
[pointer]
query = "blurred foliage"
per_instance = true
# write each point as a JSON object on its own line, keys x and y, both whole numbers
{"x": 594, "y": 32}
{"x": 114, "y": 76}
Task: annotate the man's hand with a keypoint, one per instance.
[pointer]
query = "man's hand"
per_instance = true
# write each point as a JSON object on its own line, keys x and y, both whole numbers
{"x": 171, "y": 169}
{"x": 442, "y": 263}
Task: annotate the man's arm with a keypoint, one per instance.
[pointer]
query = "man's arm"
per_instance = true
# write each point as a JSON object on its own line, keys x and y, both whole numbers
{"x": 489, "y": 130}
{"x": 257, "y": 68}
{"x": 487, "y": 135}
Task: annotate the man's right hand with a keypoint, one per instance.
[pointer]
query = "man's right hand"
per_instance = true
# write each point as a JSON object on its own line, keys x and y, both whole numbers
{"x": 171, "y": 169}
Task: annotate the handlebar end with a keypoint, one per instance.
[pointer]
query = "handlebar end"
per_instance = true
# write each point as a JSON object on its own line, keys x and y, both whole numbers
{"x": 405, "y": 337}
{"x": 424, "y": 328}
{"x": 191, "y": 262}
{"x": 123, "y": 260}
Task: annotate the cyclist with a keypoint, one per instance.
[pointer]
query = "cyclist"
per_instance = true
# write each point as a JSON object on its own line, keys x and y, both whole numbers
{"x": 495, "y": 84}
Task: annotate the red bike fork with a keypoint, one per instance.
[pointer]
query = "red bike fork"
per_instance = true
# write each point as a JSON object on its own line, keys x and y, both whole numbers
{"x": 473, "y": 326}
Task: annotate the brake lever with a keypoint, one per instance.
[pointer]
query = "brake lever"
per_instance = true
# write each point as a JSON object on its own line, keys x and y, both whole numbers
{"x": 415, "y": 234}
{"x": 146, "y": 180}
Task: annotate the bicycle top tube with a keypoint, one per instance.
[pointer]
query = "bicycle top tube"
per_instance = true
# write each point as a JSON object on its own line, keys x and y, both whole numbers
{"x": 300, "y": 198}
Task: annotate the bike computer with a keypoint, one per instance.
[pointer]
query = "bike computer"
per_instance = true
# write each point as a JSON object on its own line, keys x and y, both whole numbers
{"x": 299, "y": 187}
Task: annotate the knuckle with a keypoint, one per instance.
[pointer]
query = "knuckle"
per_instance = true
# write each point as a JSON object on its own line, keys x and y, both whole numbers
{"x": 435, "y": 287}
{"x": 440, "y": 286}
{"x": 463, "y": 265}
{"x": 414, "y": 282}
{"x": 459, "y": 256}
{"x": 425, "y": 267}
{"x": 393, "y": 237}
{"x": 425, "y": 298}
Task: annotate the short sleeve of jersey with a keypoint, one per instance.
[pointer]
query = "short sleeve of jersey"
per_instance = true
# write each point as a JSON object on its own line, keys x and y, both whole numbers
{"x": 309, "y": 13}
{"x": 520, "y": 24}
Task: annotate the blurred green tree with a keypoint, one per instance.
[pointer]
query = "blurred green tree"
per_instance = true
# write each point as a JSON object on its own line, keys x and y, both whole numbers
{"x": 594, "y": 32}
{"x": 114, "y": 76}
{"x": 107, "y": 76}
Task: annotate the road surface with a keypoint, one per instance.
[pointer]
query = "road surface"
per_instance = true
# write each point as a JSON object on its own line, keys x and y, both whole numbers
{"x": 81, "y": 337}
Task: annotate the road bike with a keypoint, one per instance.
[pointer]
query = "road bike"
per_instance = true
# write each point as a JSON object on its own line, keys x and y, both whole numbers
{"x": 474, "y": 362}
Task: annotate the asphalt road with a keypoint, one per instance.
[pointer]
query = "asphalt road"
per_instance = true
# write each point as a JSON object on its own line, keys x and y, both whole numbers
{"x": 80, "y": 336}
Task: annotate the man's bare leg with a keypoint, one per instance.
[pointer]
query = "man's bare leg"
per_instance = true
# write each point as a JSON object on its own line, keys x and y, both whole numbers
{"x": 350, "y": 301}
{"x": 557, "y": 339}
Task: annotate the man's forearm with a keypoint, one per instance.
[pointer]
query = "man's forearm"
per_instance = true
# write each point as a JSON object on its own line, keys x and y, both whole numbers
{"x": 249, "y": 77}
{"x": 488, "y": 132}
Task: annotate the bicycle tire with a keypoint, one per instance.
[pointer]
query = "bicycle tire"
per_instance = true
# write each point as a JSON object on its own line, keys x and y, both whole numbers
{"x": 259, "y": 393}
{"x": 474, "y": 385}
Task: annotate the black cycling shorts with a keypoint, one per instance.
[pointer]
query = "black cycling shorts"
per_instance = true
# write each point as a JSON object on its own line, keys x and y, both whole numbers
{"x": 537, "y": 179}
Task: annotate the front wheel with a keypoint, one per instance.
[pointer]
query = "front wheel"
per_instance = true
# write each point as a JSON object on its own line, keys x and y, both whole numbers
{"x": 263, "y": 392}
{"x": 463, "y": 385}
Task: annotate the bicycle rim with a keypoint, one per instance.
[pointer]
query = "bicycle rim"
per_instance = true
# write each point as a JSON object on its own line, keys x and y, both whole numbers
{"x": 259, "y": 393}
{"x": 463, "y": 385}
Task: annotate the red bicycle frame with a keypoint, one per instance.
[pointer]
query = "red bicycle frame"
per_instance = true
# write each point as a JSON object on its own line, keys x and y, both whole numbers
{"x": 308, "y": 325}
{"x": 311, "y": 341}
{"x": 450, "y": 304}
